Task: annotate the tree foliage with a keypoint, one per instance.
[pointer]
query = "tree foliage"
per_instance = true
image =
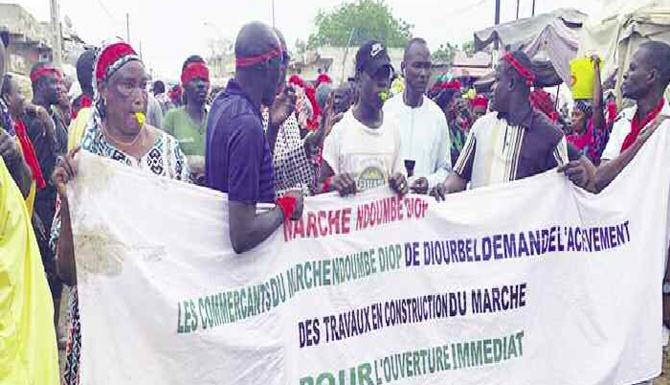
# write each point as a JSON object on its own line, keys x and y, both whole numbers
{"x": 468, "y": 47}
{"x": 300, "y": 46}
{"x": 357, "y": 22}
{"x": 445, "y": 54}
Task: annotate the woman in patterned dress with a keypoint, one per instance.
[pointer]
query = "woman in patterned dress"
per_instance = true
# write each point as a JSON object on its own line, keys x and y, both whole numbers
{"x": 115, "y": 130}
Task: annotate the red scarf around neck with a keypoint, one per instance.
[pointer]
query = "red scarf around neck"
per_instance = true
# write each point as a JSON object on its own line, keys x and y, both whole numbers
{"x": 29, "y": 154}
{"x": 636, "y": 125}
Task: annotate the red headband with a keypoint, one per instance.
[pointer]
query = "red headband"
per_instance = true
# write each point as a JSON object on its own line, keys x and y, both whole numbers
{"x": 297, "y": 80}
{"x": 192, "y": 71}
{"x": 109, "y": 57}
{"x": 323, "y": 78}
{"x": 530, "y": 78}
{"x": 480, "y": 101}
{"x": 44, "y": 71}
{"x": 251, "y": 61}
{"x": 452, "y": 85}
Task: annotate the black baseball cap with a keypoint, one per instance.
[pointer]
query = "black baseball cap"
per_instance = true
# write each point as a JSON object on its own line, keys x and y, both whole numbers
{"x": 371, "y": 57}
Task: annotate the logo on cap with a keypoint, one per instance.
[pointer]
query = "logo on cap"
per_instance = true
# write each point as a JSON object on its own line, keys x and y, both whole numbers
{"x": 376, "y": 48}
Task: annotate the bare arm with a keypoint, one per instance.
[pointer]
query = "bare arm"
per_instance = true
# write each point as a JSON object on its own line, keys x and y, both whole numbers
{"x": 598, "y": 108}
{"x": 281, "y": 109}
{"x": 326, "y": 172}
{"x": 609, "y": 170}
{"x": 247, "y": 229}
{"x": 453, "y": 184}
{"x": 65, "y": 266}
{"x": 48, "y": 125}
{"x": 23, "y": 177}
{"x": 18, "y": 168}
{"x": 345, "y": 183}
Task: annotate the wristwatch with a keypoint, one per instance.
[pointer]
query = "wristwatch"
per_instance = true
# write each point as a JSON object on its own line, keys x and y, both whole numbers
{"x": 666, "y": 288}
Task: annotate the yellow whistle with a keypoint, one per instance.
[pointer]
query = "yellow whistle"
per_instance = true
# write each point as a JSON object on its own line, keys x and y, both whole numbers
{"x": 140, "y": 118}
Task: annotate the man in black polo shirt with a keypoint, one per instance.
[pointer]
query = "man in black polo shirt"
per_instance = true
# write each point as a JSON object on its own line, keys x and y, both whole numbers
{"x": 49, "y": 139}
{"x": 512, "y": 142}
{"x": 238, "y": 160}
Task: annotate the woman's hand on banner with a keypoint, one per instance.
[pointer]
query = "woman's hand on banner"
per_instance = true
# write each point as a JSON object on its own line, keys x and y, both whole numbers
{"x": 64, "y": 172}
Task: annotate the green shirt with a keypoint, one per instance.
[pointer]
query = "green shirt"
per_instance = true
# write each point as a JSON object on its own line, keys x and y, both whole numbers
{"x": 189, "y": 134}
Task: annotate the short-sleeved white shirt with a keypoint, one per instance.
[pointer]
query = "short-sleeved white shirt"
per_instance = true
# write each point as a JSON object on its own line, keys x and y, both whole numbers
{"x": 371, "y": 154}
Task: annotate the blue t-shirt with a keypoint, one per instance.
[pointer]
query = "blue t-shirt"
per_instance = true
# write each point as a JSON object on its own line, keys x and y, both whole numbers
{"x": 238, "y": 160}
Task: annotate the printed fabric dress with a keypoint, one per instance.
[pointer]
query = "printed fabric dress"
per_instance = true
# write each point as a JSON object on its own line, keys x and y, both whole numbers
{"x": 166, "y": 159}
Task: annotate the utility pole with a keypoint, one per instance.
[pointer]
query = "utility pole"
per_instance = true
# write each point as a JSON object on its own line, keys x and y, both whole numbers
{"x": 517, "y": 9}
{"x": 273, "y": 14}
{"x": 128, "y": 27}
{"x": 56, "y": 37}
{"x": 533, "y": 8}
{"x": 497, "y": 22}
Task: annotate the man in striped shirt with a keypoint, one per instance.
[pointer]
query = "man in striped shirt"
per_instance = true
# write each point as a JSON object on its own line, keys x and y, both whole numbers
{"x": 512, "y": 142}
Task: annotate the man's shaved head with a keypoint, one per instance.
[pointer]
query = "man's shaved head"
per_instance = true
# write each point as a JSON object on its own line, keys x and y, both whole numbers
{"x": 648, "y": 72}
{"x": 259, "y": 57}
{"x": 255, "y": 39}
{"x": 417, "y": 41}
{"x": 657, "y": 55}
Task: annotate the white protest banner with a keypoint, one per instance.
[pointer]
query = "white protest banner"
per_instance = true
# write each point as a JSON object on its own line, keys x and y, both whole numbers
{"x": 531, "y": 282}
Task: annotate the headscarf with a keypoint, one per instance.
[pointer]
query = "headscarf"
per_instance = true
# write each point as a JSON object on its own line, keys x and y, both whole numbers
{"x": 108, "y": 60}
{"x": 313, "y": 121}
{"x": 584, "y": 106}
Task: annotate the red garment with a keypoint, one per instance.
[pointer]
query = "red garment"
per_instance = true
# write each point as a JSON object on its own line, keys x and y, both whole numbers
{"x": 82, "y": 101}
{"x": 636, "y": 125}
{"x": 611, "y": 112}
{"x": 581, "y": 141}
{"x": 29, "y": 154}
{"x": 479, "y": 101}
{"x": 313, "y": 123}
{"x": 541, "y": 100}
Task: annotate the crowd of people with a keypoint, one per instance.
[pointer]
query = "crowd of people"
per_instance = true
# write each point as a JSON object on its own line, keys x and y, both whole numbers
{"x": 272, "y": 138}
